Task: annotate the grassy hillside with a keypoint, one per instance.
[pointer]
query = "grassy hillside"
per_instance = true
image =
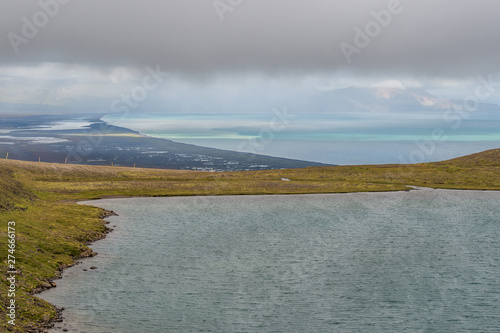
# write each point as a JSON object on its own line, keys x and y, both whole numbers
{"x": 12, "y": 194}
{"x": 52, "y": 231}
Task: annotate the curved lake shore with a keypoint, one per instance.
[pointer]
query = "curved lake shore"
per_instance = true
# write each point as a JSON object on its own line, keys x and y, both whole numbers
{"x": 223, "y": 263}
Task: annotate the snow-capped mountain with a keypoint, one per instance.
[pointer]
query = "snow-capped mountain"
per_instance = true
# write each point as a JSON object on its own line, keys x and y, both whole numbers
{"x": 388, "y": 99}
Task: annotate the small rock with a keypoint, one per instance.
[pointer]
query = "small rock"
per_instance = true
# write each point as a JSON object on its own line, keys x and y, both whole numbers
{"x": 65, "y": 329}
{"x": 93, "y": 267}
{"x": 84, "y": 270}
{"x": 53, "y": 284}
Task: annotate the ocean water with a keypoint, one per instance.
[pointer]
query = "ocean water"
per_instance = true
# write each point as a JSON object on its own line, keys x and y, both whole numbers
{"x": 419, "y": 261}
{"x": 344, "y": 139}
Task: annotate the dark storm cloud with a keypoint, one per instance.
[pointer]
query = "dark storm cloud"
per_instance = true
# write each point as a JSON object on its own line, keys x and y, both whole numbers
{"x": 447, "y": 38}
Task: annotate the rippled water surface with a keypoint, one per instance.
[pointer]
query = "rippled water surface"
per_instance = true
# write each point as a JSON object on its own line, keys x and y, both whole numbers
{"x": 420, "y": 261}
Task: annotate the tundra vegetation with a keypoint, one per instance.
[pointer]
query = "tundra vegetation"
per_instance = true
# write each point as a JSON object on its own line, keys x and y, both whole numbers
{"x": 52, "y": 231}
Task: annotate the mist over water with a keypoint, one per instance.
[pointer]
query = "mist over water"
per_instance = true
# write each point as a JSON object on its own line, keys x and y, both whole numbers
{"x": 420, "y": 261}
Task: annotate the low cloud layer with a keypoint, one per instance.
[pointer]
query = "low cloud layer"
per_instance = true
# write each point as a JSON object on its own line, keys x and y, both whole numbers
{"x": 455, "y": 39}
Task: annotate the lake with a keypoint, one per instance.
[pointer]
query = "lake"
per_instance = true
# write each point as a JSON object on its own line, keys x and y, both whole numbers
{"x": 419, "y": 261}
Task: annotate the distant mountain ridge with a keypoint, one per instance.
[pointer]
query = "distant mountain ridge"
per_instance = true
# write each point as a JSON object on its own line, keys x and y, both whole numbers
{"x": 388, "y": 99}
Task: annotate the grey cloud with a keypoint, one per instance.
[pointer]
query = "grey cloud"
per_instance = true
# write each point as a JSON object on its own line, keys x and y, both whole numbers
{"x": 431, "y": 38}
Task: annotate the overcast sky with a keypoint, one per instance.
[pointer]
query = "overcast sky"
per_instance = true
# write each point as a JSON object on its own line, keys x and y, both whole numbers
{"x": 56, "y": 52}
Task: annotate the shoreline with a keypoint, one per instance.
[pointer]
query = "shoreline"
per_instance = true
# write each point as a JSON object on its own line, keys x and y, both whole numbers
{"x": 60, "y": 310}
{"x": 107, "y": 213}
{"x": 50, "y": 325}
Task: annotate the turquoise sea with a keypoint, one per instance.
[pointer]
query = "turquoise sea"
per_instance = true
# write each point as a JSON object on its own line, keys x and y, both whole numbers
{"x": 419, "y": 261}
{"x": 344, "y": 139}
